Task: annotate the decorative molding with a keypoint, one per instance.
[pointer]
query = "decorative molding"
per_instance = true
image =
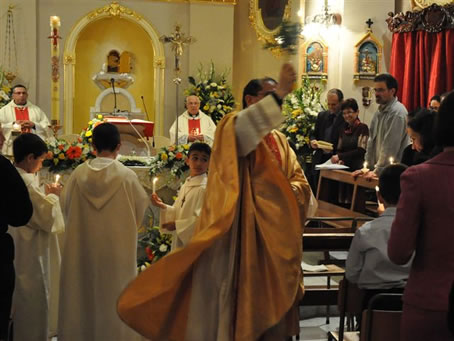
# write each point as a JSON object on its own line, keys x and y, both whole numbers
{"x": 361, "y": 69}
{"x": 210, "y": 2}
{"x": 255, "y": 17}
{"x": 114, "y": 10}
{"x": 160, "y": 63}
{"x": 421, "y": 4}
{"x": 434, "y": 18}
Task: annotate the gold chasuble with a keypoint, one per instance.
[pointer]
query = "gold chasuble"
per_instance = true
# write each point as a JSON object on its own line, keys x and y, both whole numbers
{"x": 239, "y": 277}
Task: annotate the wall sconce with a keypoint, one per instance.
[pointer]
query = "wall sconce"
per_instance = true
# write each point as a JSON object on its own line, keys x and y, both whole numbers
{"x": 367, "y": 96}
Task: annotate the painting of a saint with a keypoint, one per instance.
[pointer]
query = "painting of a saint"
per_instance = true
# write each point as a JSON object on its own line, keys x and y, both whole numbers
{"x": 368, "y": 58}
{"x": 272, "y": 12}
{"x": 314, "y": 61}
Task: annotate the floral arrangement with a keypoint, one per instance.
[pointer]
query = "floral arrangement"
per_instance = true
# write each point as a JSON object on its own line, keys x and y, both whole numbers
{"x": 171, "y": 160}
{"x": 63, "y": 155}
{"x": 5, "y": 89}
{"x": 156, "y": 245}
{"x": 216, "y": 98}
{"x": 301, "y": 108}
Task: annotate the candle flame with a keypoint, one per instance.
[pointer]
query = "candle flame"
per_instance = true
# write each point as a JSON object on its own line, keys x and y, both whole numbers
{"x": 391, "y": 160}
{"x": 377, "y": 188}
{"x": 155, "y": 180}
{"x": 57, "y": 177}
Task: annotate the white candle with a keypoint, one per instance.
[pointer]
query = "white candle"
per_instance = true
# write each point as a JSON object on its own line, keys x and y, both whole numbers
{"x": 391, "y": 160}
{"x": 54, "y": 21}
{"x": 154, "y": 183}
{"x": 57, "y": 177}
{"x": 377, "y": 189}
{"x": 16, "y": 126}
{"x": 365, "y": 169}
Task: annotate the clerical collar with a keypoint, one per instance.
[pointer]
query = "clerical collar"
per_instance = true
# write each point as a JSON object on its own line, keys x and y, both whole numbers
{"x": 193, "y": 117}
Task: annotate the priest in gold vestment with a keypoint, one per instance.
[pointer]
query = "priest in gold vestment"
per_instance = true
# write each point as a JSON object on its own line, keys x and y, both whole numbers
{"x": 239, "y": 277}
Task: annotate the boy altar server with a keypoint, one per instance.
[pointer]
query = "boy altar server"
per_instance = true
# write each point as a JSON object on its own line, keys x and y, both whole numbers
{"x": 37, "y": 253}
{"x": 182, "y": 216}
{"x": 103, "y": 204}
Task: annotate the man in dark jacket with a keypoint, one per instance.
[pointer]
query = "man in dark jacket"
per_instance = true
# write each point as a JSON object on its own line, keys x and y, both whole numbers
{"x": 327, "y": 128}
{"x": 15, "y": 210}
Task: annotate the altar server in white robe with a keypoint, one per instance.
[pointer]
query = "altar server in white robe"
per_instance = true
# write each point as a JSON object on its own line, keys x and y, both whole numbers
{"x": 21, "y": 115}
{"x": 193, "y": 124}
{"x": 104, "y": 205}
{"x": 37, "y": 253}
{"x": 182, "y": 216}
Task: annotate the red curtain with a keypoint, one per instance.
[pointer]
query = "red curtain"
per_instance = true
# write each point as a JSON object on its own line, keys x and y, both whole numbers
{"x": 423, "y": 64}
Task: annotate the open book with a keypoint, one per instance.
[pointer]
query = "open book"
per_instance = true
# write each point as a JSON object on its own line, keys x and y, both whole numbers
{"x": 313, "y": 268}
{"x": 329, "y": 165}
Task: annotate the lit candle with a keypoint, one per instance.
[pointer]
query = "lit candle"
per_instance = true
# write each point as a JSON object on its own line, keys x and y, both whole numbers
{"x": 57, "y": 177}
{"x": 16, "y": 126}
{"x": 54, "y": 21}
{"x": 377, "y": 189}
{"x": 154, "y": 183}
{"x": 365, "y": 169}
{"x": 391, "y": 160}
{"x": 55, "y": 67}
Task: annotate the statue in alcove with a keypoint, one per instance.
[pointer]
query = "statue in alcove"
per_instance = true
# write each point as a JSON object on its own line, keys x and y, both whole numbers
{"x": 113, "y": 61}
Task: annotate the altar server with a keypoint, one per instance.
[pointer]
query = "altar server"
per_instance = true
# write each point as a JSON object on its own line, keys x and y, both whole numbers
{"x": 193, "y": 124}
{"x": 103, "y": 204}
{"x": 182, "y": 216}
{"x": 37, "y": 252}
{"x": 21, "y": 115}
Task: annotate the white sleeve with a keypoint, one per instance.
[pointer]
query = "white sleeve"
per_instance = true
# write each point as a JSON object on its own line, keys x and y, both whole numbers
{"x": 254, "y": 122}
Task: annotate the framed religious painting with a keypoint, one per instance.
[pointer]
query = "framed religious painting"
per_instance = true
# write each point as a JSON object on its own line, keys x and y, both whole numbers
{"x": 368, "y": 56}
{"x": 315, "y": 59}
{"x": 266, "y": 17}
{"x": 421, "y": 4}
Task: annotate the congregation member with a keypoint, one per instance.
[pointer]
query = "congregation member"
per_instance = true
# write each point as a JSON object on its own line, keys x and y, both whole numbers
{"x": 434, "y": 103}
{"x": 387, "y": 132}
{"x": 423, "y": 226}
{"x": 239, "y": 277}
{"x": 420, "y": 130}
{"x": 367, "y": 262}
{"x": 352, "y": 137}
{"x": 37, "y": 253}
{"x": 193, "y": 124}
{"x": 103, "y": 204}
{"x": 23, "y": 116}
{"x": 327, "y": 127}
{"x": 181, "y": 217}
{"x": 15, "y": 210}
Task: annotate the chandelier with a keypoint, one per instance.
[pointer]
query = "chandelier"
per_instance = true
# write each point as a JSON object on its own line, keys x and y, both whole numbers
{"x": 325, "y": 18}
{"x": 9, "y": 62}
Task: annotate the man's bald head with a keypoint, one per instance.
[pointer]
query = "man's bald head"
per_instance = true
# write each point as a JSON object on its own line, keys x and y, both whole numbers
{"x": 193, "y": 104}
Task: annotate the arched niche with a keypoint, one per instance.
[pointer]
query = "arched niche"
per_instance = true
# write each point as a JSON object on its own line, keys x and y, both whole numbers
{"x": 121, "y": 13}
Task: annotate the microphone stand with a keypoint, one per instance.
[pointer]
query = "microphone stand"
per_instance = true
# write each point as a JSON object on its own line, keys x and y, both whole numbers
{"x": 115, "y": 110}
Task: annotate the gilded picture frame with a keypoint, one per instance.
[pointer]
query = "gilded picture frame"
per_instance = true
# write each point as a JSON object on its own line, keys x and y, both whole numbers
{"x": 266, "y": 17}
{"x": 421, "y": 4}
{"x": 368, "y": 57}
{"x": 315, "y": 59}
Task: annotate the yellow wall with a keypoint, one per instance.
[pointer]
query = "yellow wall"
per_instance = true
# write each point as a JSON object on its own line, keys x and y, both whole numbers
{"x": 93, "y": 45}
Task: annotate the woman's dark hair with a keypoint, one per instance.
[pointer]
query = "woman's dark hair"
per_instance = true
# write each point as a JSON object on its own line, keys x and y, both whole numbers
{"x": 444, "y": 122}
{"x": 349, "y": 103}
{"x": 423, "y": 124}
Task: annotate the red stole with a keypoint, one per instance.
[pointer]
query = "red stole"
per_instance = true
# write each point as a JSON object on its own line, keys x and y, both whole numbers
{"x": 22, "y": 115}
{"x": 272, "y": 145}
{"x": 194, "y": 127}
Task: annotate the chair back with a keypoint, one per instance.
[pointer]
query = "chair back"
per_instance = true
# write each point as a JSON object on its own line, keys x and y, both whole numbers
{"x": 349, "y": 302}
{"x": 381, "y": 320}
{"x": 70, "y": 138}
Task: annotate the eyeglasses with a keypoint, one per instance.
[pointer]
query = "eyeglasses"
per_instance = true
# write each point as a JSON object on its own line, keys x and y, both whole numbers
{"x": 379, "y": 90}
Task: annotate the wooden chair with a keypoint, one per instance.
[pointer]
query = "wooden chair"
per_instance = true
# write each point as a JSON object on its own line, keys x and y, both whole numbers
{"x": 381, "y": 320}
{"x": 350, "y": 300}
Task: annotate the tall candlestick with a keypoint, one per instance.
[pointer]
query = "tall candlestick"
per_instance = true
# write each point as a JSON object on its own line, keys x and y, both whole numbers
{"x": 55, "y": 67}
{"x": 154, "y": 183}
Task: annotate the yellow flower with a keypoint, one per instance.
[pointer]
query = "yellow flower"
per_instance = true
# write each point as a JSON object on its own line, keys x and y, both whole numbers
{"x": 61, "y": 156}
{"x": 90, "y": 139}
{"x": 56, "y": 161}
{"x": 206, "y": 107}
{"x": 293, "y": 129}
{"x": 99, "y": 117}
{"x": 186, "y": 146}
{"x": 88, "y": 133}
{"x": 164, "y": 157}
{"x": 90, "y": 123}
{"x": 296, "y": 112}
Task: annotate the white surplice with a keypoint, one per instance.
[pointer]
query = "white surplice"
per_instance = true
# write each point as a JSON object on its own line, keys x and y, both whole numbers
{"x": 37, "y": 263}
{"x": 186, "y": 210}
{"x": 207, "y": 128}
{"x": 8, "y": 116}
{"x": 103, "y": 204}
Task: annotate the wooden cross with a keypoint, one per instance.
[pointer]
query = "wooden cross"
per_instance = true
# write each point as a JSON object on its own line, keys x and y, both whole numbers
{"x": 369, "y": 23}
{"x": 178, "y": 40}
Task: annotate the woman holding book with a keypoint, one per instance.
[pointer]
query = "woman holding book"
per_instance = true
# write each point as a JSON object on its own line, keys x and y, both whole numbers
{"x": 353, "y": 137}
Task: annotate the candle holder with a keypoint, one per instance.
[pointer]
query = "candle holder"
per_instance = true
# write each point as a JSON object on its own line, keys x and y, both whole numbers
{"x": 55, "y": 127}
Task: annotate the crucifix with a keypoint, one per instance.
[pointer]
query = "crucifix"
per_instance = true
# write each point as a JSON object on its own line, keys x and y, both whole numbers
{"x": 369, "y": 24}
{"x": 178, "y": 40}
